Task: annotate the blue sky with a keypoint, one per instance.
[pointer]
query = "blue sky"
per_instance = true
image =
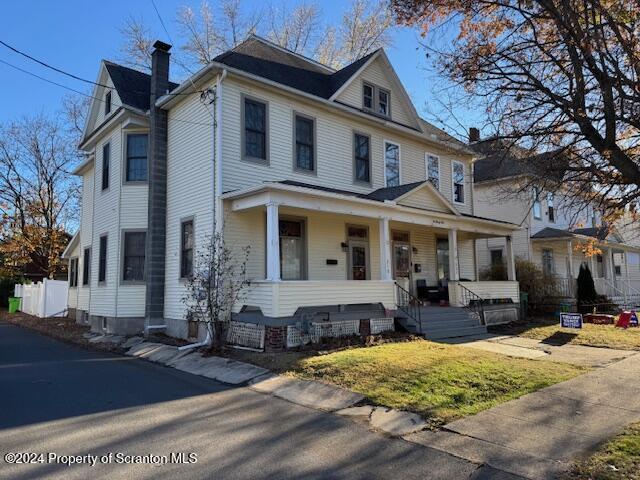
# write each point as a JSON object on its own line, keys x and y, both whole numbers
{"x": 74, "y": 35}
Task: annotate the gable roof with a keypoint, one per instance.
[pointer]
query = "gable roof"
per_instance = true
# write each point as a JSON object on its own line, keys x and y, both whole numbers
{"x": 133, "y": 87}
{"x": 599, "y": 233}
{"x": 502, "y": 160}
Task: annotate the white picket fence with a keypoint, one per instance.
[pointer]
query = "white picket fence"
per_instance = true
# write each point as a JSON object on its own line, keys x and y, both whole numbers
{"x": 43, "y": 299}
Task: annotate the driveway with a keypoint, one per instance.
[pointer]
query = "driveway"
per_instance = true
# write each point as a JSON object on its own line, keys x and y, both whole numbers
{"x": 61, "y": 399}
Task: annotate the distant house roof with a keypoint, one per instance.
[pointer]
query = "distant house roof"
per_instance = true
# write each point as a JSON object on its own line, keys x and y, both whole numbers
{"x": 133, "y": 87}
{"x": 502, "y": 160}
{"x": 599, "y": 233}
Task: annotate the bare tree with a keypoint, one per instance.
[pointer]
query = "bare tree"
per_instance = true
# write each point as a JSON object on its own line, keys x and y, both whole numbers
{"x": 553, "y": 76}
{"x": 137, "y": 43}
{"x": 295, "y": 29}
{"x": 75, "y": 108}
{"x": 38, "y": 195}
{"x": 219, "y": 280}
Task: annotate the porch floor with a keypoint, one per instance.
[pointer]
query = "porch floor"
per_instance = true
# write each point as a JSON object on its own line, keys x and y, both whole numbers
{"x": 437, "y": 323}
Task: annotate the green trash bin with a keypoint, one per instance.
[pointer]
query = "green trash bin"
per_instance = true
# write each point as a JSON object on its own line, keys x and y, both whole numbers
{"x": 14, "y": 304}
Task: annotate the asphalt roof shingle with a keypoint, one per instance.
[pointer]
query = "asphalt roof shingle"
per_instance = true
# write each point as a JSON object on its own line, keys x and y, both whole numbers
{"x": 133, "y": 87}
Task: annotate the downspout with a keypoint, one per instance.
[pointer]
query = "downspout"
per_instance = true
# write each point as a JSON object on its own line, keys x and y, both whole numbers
{"x": 217, "y": 213}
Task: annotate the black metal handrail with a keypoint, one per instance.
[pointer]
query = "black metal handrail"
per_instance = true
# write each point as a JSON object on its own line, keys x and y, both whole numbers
{"x": 472, "y": 302}
{"x": 409, "y": 304}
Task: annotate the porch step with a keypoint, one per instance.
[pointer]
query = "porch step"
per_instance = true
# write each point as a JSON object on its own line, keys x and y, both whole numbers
{"x": 443, "y": 322}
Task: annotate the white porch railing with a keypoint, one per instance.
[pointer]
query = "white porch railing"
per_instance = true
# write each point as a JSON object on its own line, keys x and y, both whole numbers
{"x": 283, "y": 298}
{"x": 486, "y": 290}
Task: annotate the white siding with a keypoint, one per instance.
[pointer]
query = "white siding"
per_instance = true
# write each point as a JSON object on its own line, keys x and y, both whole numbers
{"x": 376, "y": 74}
{"x": 425, "y": 200}
{"x": 189, "y": 191}
{"x": 72, "y": 295}
{"x": 86, "y": 229}
{"x": 334, "y": 160}
{"x": 97, "y": 114}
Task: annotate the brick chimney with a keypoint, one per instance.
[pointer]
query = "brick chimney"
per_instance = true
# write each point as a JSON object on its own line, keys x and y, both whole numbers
{"x": 157, "y": 179}
{"x": 474, "y": 135}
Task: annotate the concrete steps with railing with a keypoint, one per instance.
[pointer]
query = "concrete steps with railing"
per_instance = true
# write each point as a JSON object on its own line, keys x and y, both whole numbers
{"x": 442, "y": 322}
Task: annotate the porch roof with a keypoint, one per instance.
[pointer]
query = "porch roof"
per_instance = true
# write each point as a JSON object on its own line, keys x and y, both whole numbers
{"x": 320, "y": 198}
{"x": 600, "y": 234}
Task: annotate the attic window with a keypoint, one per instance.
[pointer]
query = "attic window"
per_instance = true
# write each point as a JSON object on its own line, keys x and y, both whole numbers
{"x": 107, "y": 102}
{"x": 376, "y": 99}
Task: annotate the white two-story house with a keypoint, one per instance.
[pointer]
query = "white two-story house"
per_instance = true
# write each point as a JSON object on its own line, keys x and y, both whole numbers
{"x": 556, "y": 232}
{"x": 343, "y": 193}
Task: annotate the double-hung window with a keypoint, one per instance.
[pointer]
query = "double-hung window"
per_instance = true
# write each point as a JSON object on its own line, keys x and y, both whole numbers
{"x": 458, "y": 182}
{"x": 376, "y": 99}
{"x": 134, "y": 256}
{"x": 537, "y": 208}
{"x": 391, "y": 164}
{"x": 433, "y": 170}
{"x": 362, "y": 158}
{"x": 106, "y": 165}
{"x": 86, "y": 266}
{"x": 102, "y": 260}
{"x": 255, "y": 129}
{"x": 107, "y": 103}
{"x": 136, "y": 167}
{"x": 550, "y": 208}
{"x": 304, "y": 143}
{"x": 186, "y": 249}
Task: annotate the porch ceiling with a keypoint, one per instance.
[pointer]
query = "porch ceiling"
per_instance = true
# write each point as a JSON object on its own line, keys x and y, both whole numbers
{"x": 342, "y": 203}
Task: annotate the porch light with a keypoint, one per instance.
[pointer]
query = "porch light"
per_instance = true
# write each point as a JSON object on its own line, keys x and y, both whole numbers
{"x": 345, "y": 246}
{"x": 414, "y": 249}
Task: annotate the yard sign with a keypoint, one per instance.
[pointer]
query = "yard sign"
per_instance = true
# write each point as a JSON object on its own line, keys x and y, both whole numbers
{"x": 570, "y": 320}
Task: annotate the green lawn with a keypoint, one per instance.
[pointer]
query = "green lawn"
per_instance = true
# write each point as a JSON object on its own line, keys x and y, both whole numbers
{"x": 441, "y": 382}
{"x": 618, "y": 459}
{"x": 592, "y": 335}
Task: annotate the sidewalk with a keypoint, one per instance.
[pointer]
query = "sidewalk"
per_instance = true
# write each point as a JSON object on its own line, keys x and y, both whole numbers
{"x": 540, "y": 434}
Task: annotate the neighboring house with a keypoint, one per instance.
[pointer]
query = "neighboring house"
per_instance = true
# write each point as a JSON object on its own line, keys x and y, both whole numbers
{"x": 554, "y": 231}
{"x": 333, "y": 180}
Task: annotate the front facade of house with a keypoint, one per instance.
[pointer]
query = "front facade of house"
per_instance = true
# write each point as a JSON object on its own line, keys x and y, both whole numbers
{"x": 555, "y": 234}
{"x": 339, "y": 189}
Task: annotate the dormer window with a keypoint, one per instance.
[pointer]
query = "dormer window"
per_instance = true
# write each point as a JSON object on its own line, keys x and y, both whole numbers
{"x": 376, "y": 99}
{"x": 107, "y": 103}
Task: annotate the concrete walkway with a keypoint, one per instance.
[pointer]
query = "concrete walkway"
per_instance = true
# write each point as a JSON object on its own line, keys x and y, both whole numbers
{"x": 522, "y": 347}
{"x": 540, "y": 434}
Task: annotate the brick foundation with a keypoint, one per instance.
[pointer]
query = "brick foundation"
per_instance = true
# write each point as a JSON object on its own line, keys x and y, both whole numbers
{"x": 365, "y": 327}
{"x": 275, "y": 338}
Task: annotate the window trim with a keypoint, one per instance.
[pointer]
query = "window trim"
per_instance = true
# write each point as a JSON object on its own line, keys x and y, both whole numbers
{"x": 453, "y": 183}
{"x": 296, "y": 168}
{"x": 125, "y": 159}
{"x": 376, "y": 99}
{"x": 305, "y": 245}
{"x": 553, "y": 260}
{"x": 107, "y": 102}
{"x": 106, "y": 258}
{"x": 536, "y": 200}
{"x": 551, "y": 208}
{"x": 384, "y": 157}
{"x": 356, "y": 180}
{"x": 243, "y": 155}
{"x": 86, "y": 280}
{"x": 348, "y": 272}
{"x": 106, "y": 145}
{"x": 184, "y": 220}
{"x": 388, "y": 92}
{"x": 122, "y": 281}
{"x": 502, "y": 256}
{"x": 426, "y": 168}
{"x": 73, "y": 272}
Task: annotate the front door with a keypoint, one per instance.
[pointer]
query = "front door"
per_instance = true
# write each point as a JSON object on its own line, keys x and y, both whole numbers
{"x": 402, "y": 259}
{"x": 358, "y": 260}
{"x": 442, "y": 259}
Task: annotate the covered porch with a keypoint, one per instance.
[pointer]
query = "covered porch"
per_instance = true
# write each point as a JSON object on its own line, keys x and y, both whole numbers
{"x": 615, "y": 266}
{"x": 314, "y": 248}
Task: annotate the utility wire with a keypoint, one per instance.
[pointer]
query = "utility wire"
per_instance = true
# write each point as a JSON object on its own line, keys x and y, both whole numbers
{"x": 91, "y": 96}
{"x": 63, "y": 72}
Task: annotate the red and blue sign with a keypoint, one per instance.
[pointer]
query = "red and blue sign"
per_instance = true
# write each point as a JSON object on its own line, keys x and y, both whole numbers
{"x": 570, "y": 320}
{"x": 627, "y": 319}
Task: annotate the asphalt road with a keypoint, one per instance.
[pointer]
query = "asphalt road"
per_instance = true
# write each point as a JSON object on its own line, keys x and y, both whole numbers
{"x": 58, "y": 399}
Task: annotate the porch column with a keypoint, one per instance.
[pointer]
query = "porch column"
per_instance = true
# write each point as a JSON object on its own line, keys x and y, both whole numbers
{"x": 611, "y": 271}
{"x": 570, "y": 260}
{"x": 454, "y": 267}
{"x": 511, "y": 261}
{"x": 385, "y": 249}
{"x": 273, "y": 243}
